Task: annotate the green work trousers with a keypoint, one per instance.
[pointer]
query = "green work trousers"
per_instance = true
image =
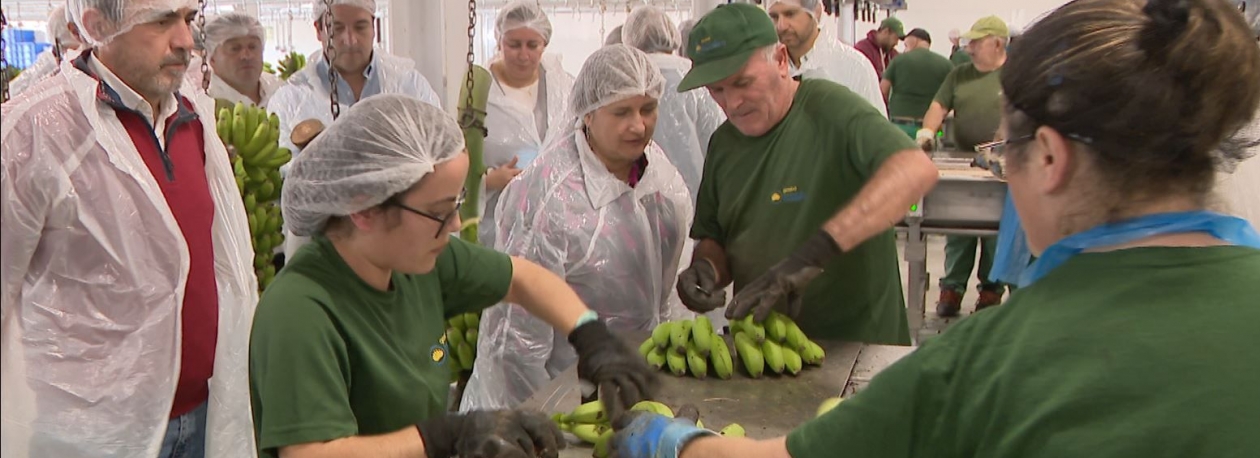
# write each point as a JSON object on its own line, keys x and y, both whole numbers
{"x": 960, "y": 257}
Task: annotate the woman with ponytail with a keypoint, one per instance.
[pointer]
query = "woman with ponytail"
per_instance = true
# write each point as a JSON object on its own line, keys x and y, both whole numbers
{"x": 1134, "y": 332}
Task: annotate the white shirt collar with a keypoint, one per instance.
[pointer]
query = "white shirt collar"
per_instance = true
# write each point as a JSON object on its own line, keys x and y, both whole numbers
{"x": 133, "y": 100}
{"x": 267, "y": 86}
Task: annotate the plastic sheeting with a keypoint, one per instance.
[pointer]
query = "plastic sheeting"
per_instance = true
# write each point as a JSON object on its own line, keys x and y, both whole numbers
{"x": 514, "y": 130}
{"x": 617, "y": 247}
{"x": 378, "y": 148}
{"x": 685, "y": 121}
{"x": 93, "y": 272}
{"x": 835, "y": 61}
{"x": 45, "y": 65}
{"x": 121, "y": 16}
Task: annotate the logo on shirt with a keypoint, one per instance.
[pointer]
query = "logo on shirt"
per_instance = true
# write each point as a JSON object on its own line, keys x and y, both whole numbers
{"x": 438, "y": 352}
{"x": 790, "y": 194}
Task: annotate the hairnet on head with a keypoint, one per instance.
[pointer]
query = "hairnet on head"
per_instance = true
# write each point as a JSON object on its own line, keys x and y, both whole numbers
{"x": 810, "y": 6}
{"x": 650, "y": 30}
{"x": 612, "y": 74}
{"x": 522, "y": 14}
{"x": 229, "y": 26}
{"x": 380, "y": 147}
{"x": 319, "y": 7}
{"x": 684, "y": 31}
{"x": 614, "y": 37}
{"x": 121, "y": 15}
{"x": 58, "y": 27}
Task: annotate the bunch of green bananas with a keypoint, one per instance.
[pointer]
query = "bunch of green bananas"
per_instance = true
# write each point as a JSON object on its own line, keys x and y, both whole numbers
{"x": 268, "y": 68}
{"x": 290, "y": 64}
{"x": 254, "y": 137}
{"x": 777, "y": 344}
{"x": 590, "y": 422}
{"x": 688, "y": 346}
{"x": 461, "y": 338}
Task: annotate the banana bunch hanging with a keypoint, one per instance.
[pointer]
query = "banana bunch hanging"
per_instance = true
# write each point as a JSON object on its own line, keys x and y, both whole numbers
{"x": 254, "y": 136}
{"x": 290, "y": 64}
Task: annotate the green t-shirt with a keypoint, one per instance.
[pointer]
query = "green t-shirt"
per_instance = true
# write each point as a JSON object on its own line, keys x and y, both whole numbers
{"x": 915, "y": 78}
{"x": 959, "y": 57}
{"x": 976, "y": 99}
{"x": 1145, "y": 352}
{"x": 762, "y": 197}
{"x": 332, "y": 357}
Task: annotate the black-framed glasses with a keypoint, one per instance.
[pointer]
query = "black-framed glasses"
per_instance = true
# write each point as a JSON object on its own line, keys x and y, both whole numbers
{"x": 442, "y": 220}
{"x": 993, "y": 154}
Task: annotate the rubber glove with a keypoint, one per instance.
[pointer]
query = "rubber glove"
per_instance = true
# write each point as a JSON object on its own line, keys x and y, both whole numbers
{"x": 501, "y": 433}
{"x": 619, "y": 372}
{"x": 785, "y": 280}
{"x": 925, "y": 139}
{"x": 697, "y": 287}
{"x": 649, "y": 435}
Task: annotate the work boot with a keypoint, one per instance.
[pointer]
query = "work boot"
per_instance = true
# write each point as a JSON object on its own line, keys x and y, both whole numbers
{"x": 988, "y": 298}
{"x": 949, "y": 304}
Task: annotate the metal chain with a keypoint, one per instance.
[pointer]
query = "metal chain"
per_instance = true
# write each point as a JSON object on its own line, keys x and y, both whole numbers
{"x": 205, "y": 60}
{"x": 603, "y": 8}
{"x": 468, "y": 116}
{"x": 4, "y": 63}
{"x": 329, "y": 55}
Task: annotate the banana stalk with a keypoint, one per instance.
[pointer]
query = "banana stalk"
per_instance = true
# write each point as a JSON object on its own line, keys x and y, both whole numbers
{"x": 473, "y": 121}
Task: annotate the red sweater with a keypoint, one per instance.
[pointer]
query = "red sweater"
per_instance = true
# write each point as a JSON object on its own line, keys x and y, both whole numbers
{"x": 181, "y": 174}
{"x": 873, "y": 53}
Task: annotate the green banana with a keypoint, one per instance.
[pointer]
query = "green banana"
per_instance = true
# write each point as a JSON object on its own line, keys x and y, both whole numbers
{"x": 454, "y": 337}
{"x": 699, "y": 367}
{"x": 223, "y": 125}
{"x": 260, "y": 261}
{"x": 466, "y": 355}
{"x": 773, "y": 354}
{"x": 702, "y": 335}
{"x": 700, "y": 424}
{"x": 733, "y": 430}
{"x": 258, "y": 139}
{"x": 750, "y": 354}
{"x": 590, "y": 413}
{"x": 656, "y": 358}
{"x": 677, "y": 363}
{"x": 827, "y": 405}
{"x": 457, "y": 322}
{"x": 263, "y": 156}
{"x": 654, "y": 407}
{"x": 796, "y": 338}
{"x": 472, "y": 320}
{"x": 471, "y": 336}
{"x": 256, "y": 175}
{"x": 601, "y": 444}
{"x": 281, "y": 157}
{"x": 812, "y": 354}
{"x": 251, "y": 121}
{"x": 265, "y": 191}
{"x": 791, "y": 361}
{"x": 560, "y": 419}
{"x": 277, "y": 238}
{"x": 756, "y": 331}
{"x": 720, "y": 355}
{"x": 239, "y": 134}
{"x": 274, "y": 121}
{"x": 776, "y": 327}
{"x": 678, "y": 336}
{"x": 590, "y": 433}
{"x": 251, "y": 203}
{"x": 646, "y": 347}
{"x": 660, "y": 335}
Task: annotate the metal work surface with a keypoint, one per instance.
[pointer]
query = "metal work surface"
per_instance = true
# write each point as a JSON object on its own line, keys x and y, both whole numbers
{"x": 767, "y": 407}
{"x": 872, "y": 360}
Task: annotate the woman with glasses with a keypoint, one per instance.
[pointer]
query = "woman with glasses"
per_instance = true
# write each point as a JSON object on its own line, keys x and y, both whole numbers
{"x": 348, "y": 355}
{"x": 603, "y": 208}
{"x": 1133, "y": 334}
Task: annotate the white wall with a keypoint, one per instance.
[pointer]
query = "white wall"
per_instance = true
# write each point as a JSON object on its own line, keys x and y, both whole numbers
{"x": 939, "y": 16}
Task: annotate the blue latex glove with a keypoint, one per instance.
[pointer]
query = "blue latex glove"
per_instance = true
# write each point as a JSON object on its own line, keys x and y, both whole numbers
{"x": 648, "y": 435}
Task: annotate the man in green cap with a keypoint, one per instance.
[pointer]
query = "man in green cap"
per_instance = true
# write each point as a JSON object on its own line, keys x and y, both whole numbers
{"x": 974, "y": 93}
{"x": 880, "y": 44}
{"x": 911, "y": 81}
{"x": 804, "y": 180}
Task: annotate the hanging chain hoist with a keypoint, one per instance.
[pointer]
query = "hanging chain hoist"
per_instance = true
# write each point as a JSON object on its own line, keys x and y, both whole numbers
{"x": 205, "y": 59}
{"x": 603, "y": 9}
{"x": 4, "y": 62}
{"x": 329, "y": 55}
{"x": 469, "y": 118}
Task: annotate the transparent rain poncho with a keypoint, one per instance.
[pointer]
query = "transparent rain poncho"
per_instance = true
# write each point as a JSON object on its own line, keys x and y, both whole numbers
{"x": 93, "y": 267}
{"x": 514, "y": 130}
{"x": 120, "y": 16}
{"x": 378, "y": 148}
{"x": 616, "y": 246}
{"x": 686, "y": 120}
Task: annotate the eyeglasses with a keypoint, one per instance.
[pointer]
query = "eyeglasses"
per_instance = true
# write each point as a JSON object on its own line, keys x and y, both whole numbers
{"x": 442, "y": 220}
{"x": 993, "y": 154}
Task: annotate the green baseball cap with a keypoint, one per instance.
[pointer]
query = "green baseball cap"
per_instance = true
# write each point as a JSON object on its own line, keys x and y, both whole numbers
{"x": 991, "y": 26}
{"x": 895, "y": 25}
{"x": 721, "y": 43}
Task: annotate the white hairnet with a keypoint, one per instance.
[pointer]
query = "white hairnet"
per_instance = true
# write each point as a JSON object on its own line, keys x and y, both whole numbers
{"x": 121, "y": 15}
{"x": 612, "y": 74}
{"x": 58, "y": 27}
{"x": 380, "y": 147}
{"x": 650, "y": 30}
{"x": 319, "y": 7}
{"x": 522, "y": 13}
{"x": 229, "y": 26}
{"x": 684, "y": 32}
{"x": 812, "y": 7}
{"x": 614, "y": 37}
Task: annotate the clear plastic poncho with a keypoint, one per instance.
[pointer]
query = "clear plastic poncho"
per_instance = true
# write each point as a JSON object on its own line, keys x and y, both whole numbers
{"x": 616, "y": 246}
{"x": 46, "y": 63}
{"x": 121, "y": 15}
{"x": 93, "y": 271}
{"x": 378, "y": 148}
{"x": 833, "y": 60}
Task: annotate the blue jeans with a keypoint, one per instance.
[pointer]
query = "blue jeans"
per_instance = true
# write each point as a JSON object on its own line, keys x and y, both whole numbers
{"x": 186, "y": 435}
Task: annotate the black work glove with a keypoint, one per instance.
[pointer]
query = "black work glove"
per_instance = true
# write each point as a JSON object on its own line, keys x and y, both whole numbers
{"x": 697, "y": 287}
{"x": 491, "y": 434}
{"x": 785, "y": 280}
{"x": 620, "y": 374}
